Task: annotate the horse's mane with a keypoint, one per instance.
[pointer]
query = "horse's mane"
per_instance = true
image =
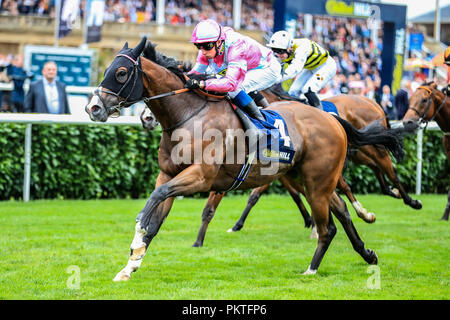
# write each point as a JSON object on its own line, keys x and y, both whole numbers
{"x": 429, "y": 83}
{"x": 176, "y": 66}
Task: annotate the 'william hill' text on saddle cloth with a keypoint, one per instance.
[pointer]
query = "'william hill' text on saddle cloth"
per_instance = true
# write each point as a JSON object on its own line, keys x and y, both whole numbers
{"x": 278, "y": 146}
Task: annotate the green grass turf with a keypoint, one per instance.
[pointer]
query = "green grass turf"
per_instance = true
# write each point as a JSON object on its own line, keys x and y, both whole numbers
{"x": 41, "y": 240}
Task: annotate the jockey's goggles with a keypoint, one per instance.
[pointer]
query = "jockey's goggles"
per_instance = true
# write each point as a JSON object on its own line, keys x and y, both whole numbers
{"x": 205, "y": 45}
{"x": 279, "y": 51}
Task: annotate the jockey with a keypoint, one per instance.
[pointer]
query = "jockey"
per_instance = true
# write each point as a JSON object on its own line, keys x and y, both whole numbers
{"x": 307, "y": 60}
{"x": 247, "y": 66}
{"x": 447, "y": 62}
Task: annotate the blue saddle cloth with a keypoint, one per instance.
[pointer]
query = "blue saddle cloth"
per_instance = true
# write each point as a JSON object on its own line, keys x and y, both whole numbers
{"x": 278, "y": 145}
{"x": 330, "y": 107}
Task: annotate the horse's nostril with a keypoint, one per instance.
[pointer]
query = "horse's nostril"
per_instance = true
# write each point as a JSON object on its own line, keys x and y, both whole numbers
{"x": 95, "y": 109}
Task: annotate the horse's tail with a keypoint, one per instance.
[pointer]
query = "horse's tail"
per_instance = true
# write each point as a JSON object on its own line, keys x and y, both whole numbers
{"x": 375, "y": 134}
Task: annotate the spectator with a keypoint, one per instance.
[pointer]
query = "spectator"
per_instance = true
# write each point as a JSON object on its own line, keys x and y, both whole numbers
{"x": 3, "y": 65}
{"x": 372, "y": 92}
{"x": 387, "y": 103}
{"x": 356, "y": 85}
{"x": 5, "y": 96}
{"x": 47, "y": 95}
{"x": 17, "y": 75}
{"x": 401, "y": 100}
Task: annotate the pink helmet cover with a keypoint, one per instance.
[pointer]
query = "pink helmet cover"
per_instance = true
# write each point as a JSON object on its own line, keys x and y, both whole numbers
{"x": 207, "y": 31}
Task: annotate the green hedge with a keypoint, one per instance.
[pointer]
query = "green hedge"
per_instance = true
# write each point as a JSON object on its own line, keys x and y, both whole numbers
{"x": 93, "y": 162}
{"x": 79, "y": 162}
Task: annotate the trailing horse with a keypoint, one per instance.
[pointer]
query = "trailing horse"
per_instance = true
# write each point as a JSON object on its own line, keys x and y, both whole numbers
{"x": 319, "y": 141}
{"x": 428, "y": 104}
{"x": 360, "y": 112}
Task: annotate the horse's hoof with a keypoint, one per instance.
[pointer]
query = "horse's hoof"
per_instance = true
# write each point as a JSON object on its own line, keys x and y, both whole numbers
{"x": 234, "y": 229}
{"x": 373, "y": 258}
{"x": 121, "y": 276}
{"x": 308, "y": 224}
{"x": 309, "y": 271}
{"x": 197, "y": 245}
{"x": 371, "y": 218}
{"x": 416, "y": 204}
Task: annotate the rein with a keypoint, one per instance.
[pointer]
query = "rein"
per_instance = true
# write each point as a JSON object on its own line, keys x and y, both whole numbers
{"x": 134, "y": 75}
{"x": 187, "y": 119}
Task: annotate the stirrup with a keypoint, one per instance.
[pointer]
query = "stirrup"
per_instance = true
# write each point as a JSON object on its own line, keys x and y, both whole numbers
{"x": 252, "y": 110}
{"x": 249, "y": 126}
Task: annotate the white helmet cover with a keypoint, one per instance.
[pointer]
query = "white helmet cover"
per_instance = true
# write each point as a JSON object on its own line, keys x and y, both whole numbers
{"x": 280, "y": 40}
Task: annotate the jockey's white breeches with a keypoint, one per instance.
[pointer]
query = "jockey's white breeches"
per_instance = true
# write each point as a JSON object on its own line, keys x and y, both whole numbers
{"x": 260, "y": 79}
{"x": 314, "y": 79}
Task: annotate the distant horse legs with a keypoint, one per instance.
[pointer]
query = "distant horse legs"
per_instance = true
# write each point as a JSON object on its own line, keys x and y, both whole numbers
{"x": 207, "y": 215}
{"x": 339, "y": 209}
{"x": 252, "y": 200}
{"x": 362, "y": 212}
{"x": 380, "y": 160}
{"x": 447, "y": 208}
{"x": 294, "y": 190}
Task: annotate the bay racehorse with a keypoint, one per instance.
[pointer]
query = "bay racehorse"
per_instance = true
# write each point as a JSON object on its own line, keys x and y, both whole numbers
{"x": 319, "y": 141}
{"x": 428, "y": 104}
{"x": 359, "y": 111}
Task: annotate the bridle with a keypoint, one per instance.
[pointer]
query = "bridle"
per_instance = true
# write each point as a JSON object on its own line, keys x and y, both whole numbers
{"x": 134, "y": 75}
{"x": 422, "y": 115}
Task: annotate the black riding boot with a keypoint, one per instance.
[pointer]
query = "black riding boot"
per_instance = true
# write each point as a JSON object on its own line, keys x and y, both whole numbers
{"x": 252, "y": 110}
{"x": 259, "y": 99}
{"x": 313, "y": 99}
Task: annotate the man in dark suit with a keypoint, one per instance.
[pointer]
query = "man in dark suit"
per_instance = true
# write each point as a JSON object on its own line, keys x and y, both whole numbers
{"x": 401, "y": 101}
{"x": 17, "y": 75}
{"x": 47, "y": 95}
{"x": 387, "y": 103}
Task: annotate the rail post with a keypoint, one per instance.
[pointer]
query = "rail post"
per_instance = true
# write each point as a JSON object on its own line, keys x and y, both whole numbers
{"x": 419, "y": 161}
{"x": 27, "y": 163}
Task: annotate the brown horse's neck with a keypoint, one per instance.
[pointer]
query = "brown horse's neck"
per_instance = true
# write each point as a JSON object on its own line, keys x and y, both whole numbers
{"x": 442, "y": 118}
{"x": 172, "y": 109}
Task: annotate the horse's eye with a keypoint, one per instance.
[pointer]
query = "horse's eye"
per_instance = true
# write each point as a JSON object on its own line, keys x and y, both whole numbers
{"x": 121, "y": 75}
{"x": 424, "y": 100}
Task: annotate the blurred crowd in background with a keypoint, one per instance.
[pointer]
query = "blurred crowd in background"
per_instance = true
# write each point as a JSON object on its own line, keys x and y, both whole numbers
{"x": 348, "y": 40}
{"x": 256, "y": 15}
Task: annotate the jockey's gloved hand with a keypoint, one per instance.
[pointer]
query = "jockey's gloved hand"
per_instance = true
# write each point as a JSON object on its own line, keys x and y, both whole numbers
{"x": 193, "y": 84}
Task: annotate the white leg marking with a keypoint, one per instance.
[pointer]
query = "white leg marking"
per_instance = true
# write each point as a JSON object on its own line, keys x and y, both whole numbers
{"x": 138, "y": 253}
{"x": 362, "y": 212}
{"x": 309, "y": 271}
{"x": 314, "y": 234}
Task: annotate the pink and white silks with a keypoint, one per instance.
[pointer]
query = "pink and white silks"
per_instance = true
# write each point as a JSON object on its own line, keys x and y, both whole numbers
{"x": 249, "y": 65}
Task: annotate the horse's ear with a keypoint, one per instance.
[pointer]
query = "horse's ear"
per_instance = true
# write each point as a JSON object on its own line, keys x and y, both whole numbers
{"x": 125, "y": 46}
{"x": 139, "y": 48}
{"x": 433, "y": 85}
